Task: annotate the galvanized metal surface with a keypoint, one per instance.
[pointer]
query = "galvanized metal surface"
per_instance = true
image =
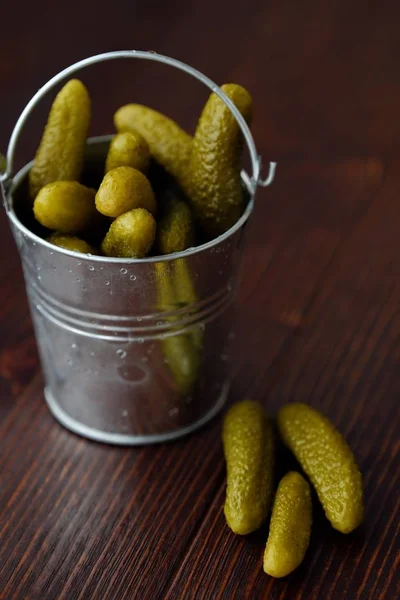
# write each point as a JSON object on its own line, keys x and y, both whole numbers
{"x": 123, "y": 363}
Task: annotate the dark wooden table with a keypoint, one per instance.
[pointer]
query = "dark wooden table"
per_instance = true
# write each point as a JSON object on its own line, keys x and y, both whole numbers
{"x": 318, "y": 318}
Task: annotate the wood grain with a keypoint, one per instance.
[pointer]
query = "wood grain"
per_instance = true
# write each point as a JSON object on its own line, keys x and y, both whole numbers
{"x": 342, "y": 360}
{"x": 318, "y": 308}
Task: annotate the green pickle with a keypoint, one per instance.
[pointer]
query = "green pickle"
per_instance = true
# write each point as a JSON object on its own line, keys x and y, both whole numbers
{"x": 214, "y": 185}
{"x": 65, "y": 206}
{"x": 131, "y": 235}
{"x": 183, "y": 361}
{"x": 169, "y": 144}
{"x": 128, "y": 149}
{"x": 61, "y": 151}
{"x": 124, "y": 189}
{"x": 327, "y": 460}
{"x": 249, "y": 453}
{"x": 186, "y": 296}
{"x": 182, "y": 355}
{"x": 290, "y": 526}
{"x": 175, "y": 231}
{"x": 70, "y": 242}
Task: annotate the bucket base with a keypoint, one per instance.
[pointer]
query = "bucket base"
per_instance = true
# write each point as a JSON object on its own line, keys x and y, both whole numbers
{"x": 121, "y": 439}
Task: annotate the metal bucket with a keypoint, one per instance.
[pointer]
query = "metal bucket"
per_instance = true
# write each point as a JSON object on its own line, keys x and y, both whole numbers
{"x": 133, "y": 351}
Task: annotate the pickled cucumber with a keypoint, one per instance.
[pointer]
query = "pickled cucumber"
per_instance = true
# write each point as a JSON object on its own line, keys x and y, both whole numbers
{"x": 65, "y": 206}
{"x": 175, "y": 233}
{"x": 249, "y": 452}
{"x": 131, "y": 235}
{"x": 186, "y": 296}
{"x": 166, "y": 296}
{"x": 327, "y": 460}
{"x": 128, "y": 149}
{"x": 61, "y": 151}
{"x": 182, "y": 355}
{"x": 169, "y": 144}
{"x": 183, "y": 360}
{"x": 124, "y": 189}
{"x": 176, "y": 230}
{"x": 214, "y": 185}
{"x": 183, "y": 282}
{"x": 290, "y": 527}
{"x": 70, "y": 242}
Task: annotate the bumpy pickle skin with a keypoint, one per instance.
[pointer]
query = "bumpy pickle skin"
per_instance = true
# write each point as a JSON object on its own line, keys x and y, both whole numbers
{"x": 214, "y": 185}
{"x": 176, "y": 229}
{"x": 70, "y": 242}
{"x": 169, "y": 144}
{"x": 290, "y": 527}
{"x": 131, "y": 235}
{"x": 249, "y": 453}
{"x": 128, "y": 149}
{"x": 61, "y": 152}
{"x": 65, "y": 206}
{"x": 328, "y": 461}
{"x": 124, "y": 189}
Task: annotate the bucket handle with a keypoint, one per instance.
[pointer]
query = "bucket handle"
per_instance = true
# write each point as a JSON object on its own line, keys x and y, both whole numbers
{"x": 6, "y": 171}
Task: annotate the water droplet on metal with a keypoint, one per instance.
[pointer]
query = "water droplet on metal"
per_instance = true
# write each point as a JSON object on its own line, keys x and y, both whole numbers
{"x": 121, "y": 353}
{"x": 39, "y": 277}
{"x": 132, "y": 373}
{"x": 107, "y": 282}
{"x": 77, "y": 279}
{"x": 132, "y": 277}
{"x": 173, "y": 412}
{"x": 123, "y": 271}
{"x": 79, "y": 263}
{"x": 93, "y": 354}
{"x": 124, "y": 413}
{"x": 73, "y": 345}
{"x": 91, "y": 268}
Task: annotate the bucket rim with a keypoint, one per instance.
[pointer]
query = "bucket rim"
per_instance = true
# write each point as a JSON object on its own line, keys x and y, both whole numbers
{"x": 21, "y": 174}
{"x": 6, "y": 171}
